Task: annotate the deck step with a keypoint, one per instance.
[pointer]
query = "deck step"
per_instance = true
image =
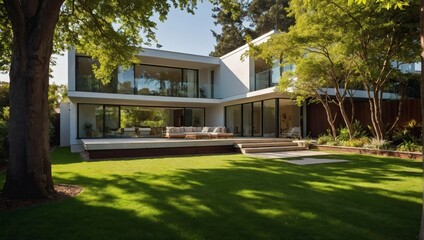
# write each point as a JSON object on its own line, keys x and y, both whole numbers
{"x": 266, "y": 144}
{"x": 271, "y": 149}
{"x": 264, "y": 140}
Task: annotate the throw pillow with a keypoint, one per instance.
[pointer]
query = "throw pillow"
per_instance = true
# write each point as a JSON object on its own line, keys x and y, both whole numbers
{"x": 205, "y": 129}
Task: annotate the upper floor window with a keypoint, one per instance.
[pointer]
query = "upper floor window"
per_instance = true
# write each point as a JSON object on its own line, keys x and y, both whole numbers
{"x": 139, "y": 79}
{"x": 266, "y": 75}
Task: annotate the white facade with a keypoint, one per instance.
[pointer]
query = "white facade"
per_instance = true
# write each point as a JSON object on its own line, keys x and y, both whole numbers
{"x": 221, "y": 82}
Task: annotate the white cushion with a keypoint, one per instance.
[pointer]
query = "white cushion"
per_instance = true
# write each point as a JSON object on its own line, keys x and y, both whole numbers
{"x": 216, "y": 130}
{"x": 205, "y": 129}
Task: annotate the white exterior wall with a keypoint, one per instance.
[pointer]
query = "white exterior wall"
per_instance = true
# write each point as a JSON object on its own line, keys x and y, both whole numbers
{"x": 238, "y": 73}
{"x": 234, "y": 74}
{"x": 65, "y": 110}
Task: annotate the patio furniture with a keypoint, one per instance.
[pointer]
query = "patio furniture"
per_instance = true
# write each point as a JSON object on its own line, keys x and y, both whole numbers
{"x": 196, "y": 132}
{"x": 293, "y": 133}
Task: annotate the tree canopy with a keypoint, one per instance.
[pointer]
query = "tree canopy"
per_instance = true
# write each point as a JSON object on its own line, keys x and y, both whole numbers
{"x": 254, "y": 19}
{"x": 337, "y": 45}
{"x": 112, "y": 32}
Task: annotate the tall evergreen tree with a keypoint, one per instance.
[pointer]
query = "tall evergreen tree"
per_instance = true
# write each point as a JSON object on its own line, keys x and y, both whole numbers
{"x": 256, "y": 18}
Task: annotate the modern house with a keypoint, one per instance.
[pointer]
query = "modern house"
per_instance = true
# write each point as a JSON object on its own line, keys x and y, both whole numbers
{"x": 178, "y": 89}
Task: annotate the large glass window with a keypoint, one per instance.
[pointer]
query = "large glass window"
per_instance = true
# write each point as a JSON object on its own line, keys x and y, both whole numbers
{"x": 233, "y": 119}
{"x": 257, "y": 119}
{"x": 96, "y": 121}
{"x": 266, "y": 75}
{"x": 289, "y": 116}
{"x": 190, "y": 83}
{"x": 141, "y": 79}
{"x": 111, "y": 121}
{"x": 165, "y": 81}
{"x": 269, "y": 118}
{"x": 247, "y": 120}
{"x": 85, "y": 80}
{"x": 194, "y": 117}
{"x": 90, "y": 122}
{"x": 125, "y": 81}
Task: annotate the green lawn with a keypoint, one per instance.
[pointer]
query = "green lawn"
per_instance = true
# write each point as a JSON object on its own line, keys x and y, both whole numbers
{"x": 226, "y": 197}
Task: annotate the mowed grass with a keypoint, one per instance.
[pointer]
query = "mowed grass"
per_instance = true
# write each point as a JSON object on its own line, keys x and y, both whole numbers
{"x": 226, "y": 197}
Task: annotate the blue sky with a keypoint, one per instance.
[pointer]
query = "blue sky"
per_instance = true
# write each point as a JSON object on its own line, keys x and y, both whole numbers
{"x": 181, "y": 32}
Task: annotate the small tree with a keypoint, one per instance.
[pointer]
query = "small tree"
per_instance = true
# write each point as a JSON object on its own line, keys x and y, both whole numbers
{"x": 334, "y": 45}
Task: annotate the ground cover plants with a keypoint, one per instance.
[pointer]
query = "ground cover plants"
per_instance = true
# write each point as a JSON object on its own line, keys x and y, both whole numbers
{"x": 226, "y": 197}
{"x": 405, "y": 138}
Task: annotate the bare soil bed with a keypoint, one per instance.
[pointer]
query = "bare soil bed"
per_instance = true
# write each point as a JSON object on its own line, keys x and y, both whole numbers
{"x": 63, "y": 191}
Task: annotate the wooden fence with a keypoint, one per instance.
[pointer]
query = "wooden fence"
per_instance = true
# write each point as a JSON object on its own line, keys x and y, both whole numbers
{"x": 317, "y": 119}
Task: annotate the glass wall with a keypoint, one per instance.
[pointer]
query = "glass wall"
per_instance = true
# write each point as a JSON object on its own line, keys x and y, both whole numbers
{"x": 190, "y": 83}
{"x": 90, "y": 121}
{"x": 85, "y": 80}
{"x": 266, "y": 75}
{"x": 133, "y": 121}
{"x": 247, "y": 120}
{"x": 269, "y": 118}
{"x": 125, "y": 81}
{"x": 111, "y": 120}
{"x": 289, "y": 116}
{"x": 194, "y": 117}
{"x": 257, "y": 119}
{"x": 233, "y": 119}
{"x": 141, "y": 79}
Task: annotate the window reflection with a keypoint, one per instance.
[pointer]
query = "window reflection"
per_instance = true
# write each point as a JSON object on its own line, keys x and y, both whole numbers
{"x": 141, "y": 80}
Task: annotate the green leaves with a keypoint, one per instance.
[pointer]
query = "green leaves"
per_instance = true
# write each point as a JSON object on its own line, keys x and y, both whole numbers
{"x": 388, "y": 4}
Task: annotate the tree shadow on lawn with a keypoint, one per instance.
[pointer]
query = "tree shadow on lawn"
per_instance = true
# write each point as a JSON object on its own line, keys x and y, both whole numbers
{"x": 250, "y": 199}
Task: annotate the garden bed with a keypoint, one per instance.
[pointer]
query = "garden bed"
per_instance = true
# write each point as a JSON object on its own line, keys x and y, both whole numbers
{"x": 389, "y": 153}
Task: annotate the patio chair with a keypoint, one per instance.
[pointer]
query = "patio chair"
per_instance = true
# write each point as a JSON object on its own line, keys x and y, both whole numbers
{"x": 293, "y": 133}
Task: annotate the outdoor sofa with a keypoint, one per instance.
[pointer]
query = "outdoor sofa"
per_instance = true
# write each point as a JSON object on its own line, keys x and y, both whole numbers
{"x": 197, "y": 132}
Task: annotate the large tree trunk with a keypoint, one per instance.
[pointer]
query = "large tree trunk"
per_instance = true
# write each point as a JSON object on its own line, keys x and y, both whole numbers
{"x": 421, "y": 236}
{"x": 29, "y": 171}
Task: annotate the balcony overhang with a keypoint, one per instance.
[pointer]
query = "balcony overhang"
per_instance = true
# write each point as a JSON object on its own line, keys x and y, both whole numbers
{"x": 141, "y": 100}
{"x": 175, "y": 59}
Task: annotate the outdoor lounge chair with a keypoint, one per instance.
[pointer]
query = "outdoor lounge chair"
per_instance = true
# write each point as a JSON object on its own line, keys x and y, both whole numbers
{"x": 293, "y": 133}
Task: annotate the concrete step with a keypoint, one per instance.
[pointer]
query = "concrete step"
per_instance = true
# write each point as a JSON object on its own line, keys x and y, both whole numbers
{"x": 271, "y": 149}
{"x": 266, "y": 144}
{"x": 262, "y": 140}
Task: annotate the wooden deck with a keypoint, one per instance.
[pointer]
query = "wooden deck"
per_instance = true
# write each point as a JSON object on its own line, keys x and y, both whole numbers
{"x": 147, "y": 147}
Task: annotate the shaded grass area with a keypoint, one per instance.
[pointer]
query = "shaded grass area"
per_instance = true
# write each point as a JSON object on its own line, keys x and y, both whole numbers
{"x": 226, "y": 197}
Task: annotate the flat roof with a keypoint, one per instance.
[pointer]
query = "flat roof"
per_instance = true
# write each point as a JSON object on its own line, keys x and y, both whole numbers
{"x": 162, "y": 57}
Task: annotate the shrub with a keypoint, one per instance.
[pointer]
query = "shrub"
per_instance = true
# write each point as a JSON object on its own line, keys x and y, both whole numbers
{"x": 343, "y": 134}
{"x": 378, "y": 144}
{"x": 410, "y": 132}
{"x": 334, "y": 143}
{"x": 409, "y": 146}
{"x": 358, "y": 130}
{"x": 324, "y": 139}
{"x": 356, "y": 142}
